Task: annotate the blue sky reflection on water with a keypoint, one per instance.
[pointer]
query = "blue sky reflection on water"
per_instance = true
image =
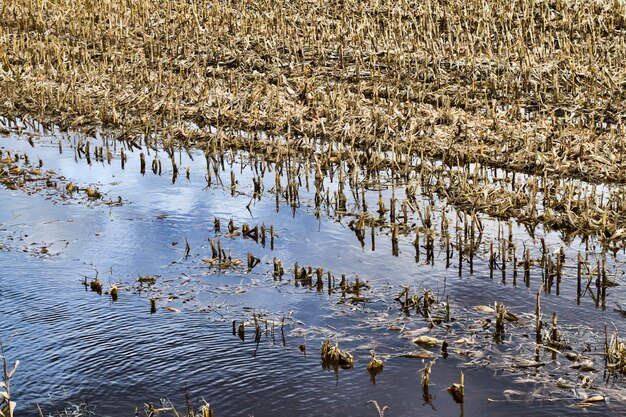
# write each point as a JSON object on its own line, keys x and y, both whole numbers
{"x": 75, "y": 345}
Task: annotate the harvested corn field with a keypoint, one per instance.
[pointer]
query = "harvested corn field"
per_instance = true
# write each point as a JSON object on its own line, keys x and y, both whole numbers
{"x": 412, "y": 205}
{"x": 531, "y": 86}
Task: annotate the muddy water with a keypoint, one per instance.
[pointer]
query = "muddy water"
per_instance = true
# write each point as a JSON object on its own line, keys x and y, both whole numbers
{"x": 76, "y": 346}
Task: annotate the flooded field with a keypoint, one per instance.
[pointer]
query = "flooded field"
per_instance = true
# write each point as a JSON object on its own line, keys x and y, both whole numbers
{"x": 219, "y": 277}
{"x": 312, "y": 208}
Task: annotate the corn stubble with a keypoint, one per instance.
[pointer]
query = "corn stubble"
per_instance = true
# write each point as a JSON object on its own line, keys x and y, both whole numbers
{"x": 7, "y": 405}
{"x": 535, "y": 88}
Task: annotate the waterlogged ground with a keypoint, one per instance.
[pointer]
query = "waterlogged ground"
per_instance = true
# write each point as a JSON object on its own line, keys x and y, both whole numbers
{"x": 66, "y": 220}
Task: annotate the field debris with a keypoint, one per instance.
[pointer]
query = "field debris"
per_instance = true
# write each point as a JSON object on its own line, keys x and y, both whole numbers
{"x": 333, "y": 357}
{"x": 375, "y": 365}
{"x": 457, "y": 390}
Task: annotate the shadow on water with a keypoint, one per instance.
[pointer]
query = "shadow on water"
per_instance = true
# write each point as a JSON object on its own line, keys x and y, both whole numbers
{"x": 309, "y": 265}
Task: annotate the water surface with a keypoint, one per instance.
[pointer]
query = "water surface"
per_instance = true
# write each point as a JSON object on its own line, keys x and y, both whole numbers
{"x": 77, "y": 346}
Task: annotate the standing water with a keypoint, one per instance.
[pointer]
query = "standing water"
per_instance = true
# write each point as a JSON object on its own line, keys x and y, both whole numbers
{"x": 137, "y": 278}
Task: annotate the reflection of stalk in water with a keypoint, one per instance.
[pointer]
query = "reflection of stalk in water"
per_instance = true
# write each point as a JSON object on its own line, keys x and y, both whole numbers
{"x": 538, "y": 323}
